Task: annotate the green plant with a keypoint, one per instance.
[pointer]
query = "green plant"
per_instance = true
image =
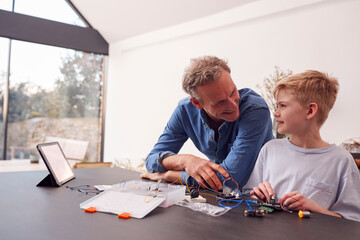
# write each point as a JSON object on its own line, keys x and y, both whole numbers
{"x": 266, "y": 89}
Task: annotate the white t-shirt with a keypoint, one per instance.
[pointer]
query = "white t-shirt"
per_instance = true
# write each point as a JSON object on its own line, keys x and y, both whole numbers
{"x": 328, "y": 176}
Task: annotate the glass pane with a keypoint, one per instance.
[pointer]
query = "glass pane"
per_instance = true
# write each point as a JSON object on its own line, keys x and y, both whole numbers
{"x": 6, "y": 5}
{"x": 54, "y": 92}
{"x": 56, "y": 10}
{"x": 4, "y": 51}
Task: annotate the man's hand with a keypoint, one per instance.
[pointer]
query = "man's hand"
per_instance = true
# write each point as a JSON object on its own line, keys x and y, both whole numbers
{"x": 297, "y": 201}
{"x": 200, "y": 169}
{"x": 263, "y": 192}
{"x": 168, "y": 176}
{"x": 203, "y": 170}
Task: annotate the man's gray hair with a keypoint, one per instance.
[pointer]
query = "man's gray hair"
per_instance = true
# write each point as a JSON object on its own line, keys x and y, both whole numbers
{"x": 203, "y": 70}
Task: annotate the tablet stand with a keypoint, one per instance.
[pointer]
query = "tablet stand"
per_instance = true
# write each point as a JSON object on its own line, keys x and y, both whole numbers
{"x": 48, "y": 181}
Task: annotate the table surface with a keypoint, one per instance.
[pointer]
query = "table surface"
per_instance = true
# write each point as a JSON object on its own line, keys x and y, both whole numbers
{"x": 30, "y": 212}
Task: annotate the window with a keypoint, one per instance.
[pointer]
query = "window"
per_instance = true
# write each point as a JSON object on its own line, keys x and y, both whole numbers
{"x": 47, "y": 91}
{"x": 6, "y": 5}
{"x": 54, "y": 92}
{"x": 4, "y": 47}
{"x": 56, "y": 10}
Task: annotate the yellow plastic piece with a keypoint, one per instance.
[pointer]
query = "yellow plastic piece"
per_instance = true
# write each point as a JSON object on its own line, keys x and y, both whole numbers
{"x": 301, "y": 214}
{"x": 304, "y": 214}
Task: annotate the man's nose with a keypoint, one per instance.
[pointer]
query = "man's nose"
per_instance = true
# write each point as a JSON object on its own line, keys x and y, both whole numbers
{"x": 234, "y": 101}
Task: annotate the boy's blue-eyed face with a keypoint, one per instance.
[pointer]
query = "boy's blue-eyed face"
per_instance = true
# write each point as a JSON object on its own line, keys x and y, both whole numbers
{"x": 290, "y": 115}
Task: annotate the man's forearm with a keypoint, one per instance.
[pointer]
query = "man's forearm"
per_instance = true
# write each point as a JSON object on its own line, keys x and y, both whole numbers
{"x": 176, "y": 162}
{"x": 168, "y": 176}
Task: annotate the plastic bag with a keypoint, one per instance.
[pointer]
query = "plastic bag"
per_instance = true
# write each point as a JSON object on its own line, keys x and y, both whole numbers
{"x": 206, "y": 208}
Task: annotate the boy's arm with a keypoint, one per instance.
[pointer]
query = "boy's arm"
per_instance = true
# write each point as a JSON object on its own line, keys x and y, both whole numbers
{"x": 297, "y": 201}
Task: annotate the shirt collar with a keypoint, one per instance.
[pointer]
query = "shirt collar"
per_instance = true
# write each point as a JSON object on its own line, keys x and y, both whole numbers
{"x": 205, "y": 119}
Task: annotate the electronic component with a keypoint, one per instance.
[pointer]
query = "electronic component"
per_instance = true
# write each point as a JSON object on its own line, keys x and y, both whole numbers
{"x": 275, "y": 206}
{"x": 194, "y": 193}
{"x": 225, "y": 196}
{"x": 271, "y": 204}
{"x": 273, "y": 199}
{"x": 267, "y": 209}
{"x": 304, "y": 214}
{"x": 254, "y": 213}
{"x": 230, "y": 195}
{"x": 226, "y": 190}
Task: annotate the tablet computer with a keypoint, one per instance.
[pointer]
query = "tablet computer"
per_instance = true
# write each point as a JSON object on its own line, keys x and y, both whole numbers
{"x": 56, "y": 163}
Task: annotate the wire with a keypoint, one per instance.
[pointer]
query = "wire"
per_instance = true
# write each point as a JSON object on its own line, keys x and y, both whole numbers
{"x": 211, "y": 191}
{"x": 230, "y": 200}
{"x": 230, "y": 178}
{"x": 162, "y": 180}
{"x": 248, "y": 203}
{"x": 147, "y": 201}
{"x": 187, "y": 187}
{"x": 87, "y": 189}
{"x": 207, "y": 188}
{"x": 249, "y": 206}
{"x": 174, "y": 182}
{"x": 80, "y": 186}
{"x": 208, "y": 194}
{"x": 158, "y": 184}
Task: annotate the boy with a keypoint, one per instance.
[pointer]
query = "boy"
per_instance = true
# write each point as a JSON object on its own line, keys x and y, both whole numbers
{"x": 304, "y": 170}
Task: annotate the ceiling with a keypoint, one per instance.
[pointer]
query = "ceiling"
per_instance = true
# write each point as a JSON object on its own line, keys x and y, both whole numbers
{"x": 117, "y": 20}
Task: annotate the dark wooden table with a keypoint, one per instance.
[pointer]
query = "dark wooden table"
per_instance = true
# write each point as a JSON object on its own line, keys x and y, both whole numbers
{"x": 30, "y": 212}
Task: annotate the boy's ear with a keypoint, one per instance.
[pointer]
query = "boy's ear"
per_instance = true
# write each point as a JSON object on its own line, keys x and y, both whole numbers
{"x": 313, "y": 108}
{"x": 196, "y": 103}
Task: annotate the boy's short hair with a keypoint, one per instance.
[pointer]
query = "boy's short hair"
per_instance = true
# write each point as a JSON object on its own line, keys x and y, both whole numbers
{"x": 202, "y": 70}
{"x": 312, "y": 86}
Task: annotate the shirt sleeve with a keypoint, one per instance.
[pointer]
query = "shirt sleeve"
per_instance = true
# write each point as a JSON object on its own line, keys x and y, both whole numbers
{"x": 347, "y": 203}
{"x": 254, "y": 131}
{"x": 169, "y": 143}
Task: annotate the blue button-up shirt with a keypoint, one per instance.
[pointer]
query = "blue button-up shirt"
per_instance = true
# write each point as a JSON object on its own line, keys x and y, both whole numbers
{"x": 238, "y": 144}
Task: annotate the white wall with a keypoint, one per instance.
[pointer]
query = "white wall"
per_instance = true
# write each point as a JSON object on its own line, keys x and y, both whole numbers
{"x": 144, "y": 78}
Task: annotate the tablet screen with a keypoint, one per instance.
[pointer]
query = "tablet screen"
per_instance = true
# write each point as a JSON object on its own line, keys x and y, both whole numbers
{"x": 56, "y": 162}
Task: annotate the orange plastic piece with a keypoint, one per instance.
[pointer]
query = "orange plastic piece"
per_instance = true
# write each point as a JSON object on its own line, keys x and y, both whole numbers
{"x": 90, "y": 209}
{"x": 124, "y": 215}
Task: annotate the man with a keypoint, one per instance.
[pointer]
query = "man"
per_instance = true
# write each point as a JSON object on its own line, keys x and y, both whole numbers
{"x": 226, "y": 124}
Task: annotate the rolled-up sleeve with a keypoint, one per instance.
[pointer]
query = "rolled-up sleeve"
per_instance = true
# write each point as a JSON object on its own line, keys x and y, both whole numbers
{"x": 169, "y": 143}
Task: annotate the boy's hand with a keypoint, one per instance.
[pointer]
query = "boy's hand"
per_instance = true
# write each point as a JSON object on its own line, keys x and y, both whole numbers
{"x": 263, "y": 192}
{"x": 297, "y": 201}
